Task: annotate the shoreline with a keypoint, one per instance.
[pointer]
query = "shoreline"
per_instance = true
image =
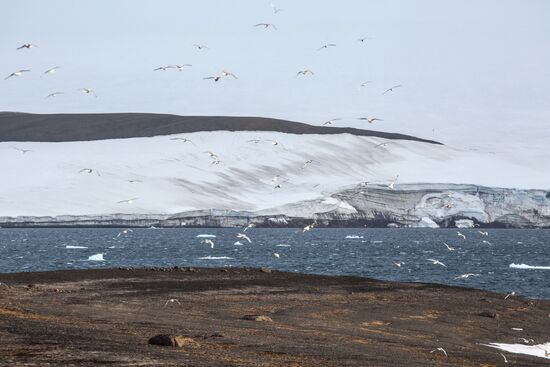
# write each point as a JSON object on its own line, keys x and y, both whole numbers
{"x": 256, "y": 317}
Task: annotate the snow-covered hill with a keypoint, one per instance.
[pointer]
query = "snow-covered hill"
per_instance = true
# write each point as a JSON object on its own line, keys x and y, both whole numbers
{"x": 163, "y": 175}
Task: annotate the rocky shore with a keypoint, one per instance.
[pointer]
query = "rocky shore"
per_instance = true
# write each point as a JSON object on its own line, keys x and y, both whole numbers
{"x": 256, "y": 317}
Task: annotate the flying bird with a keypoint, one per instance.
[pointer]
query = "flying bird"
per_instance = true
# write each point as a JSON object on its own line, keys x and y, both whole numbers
{"x": 398, "y": 264}
{"x": 88, "y": 170}
{"x": 172, "y": 300}
{"x": 392, "y": 184}
{"x": 53, "y": 95}
{"x": 242, "y": 236}
{"x": 208, "y": 242}
{"x": 16, "y": 73}
{"x": 24, "y": 151}
{"x": 185, "y": 140}
{"x": 364, "y": 84}
{"x": 123, "y": 232}
{"x": 305, "y": 72}
{"x": 363, "y": 39}
{"x": 275, "y": 9}
{"x": 436, "y": 262}
{"x": 439, "y": 350}
{"x": 309, "y": 227}
{"x": 27, "y": 46}
{"x": 128, "y": 201}
{"x": 370, "y": 120}
{"x": 460, "y": 235}
{"x": 227, "y": 73}
{"x": 88, "y": 91}
{"x": 483, "y": 233}
{"x": 255, "y": 141}
{"x": 164, "y": 68}
{"x": 487, "y": 242}
{"x": 449, "y": 247}
{"x": 276, "y": 255}
{"x": 509, "y": 295}
{"x": 466, "y": 276}
{"x": 50, "y": 71}
{"x": 330, "y": 122}
{"x": 215, "y": 78}
{"x": 266, "y": 25}
{"x": 307, "y": 163}
{"x": 251, "y": 225}
{"x": 326, "y": 46}
{"x": 180, "y": 67}
{"x": 201, "y": 47}
{"x": 392, "y": 88}
{"x": 383, "y": 144}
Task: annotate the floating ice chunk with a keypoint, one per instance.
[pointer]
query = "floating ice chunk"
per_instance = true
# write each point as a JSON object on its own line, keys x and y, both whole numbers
{"x": 216, "y": 258}
{"x": 525, "y": 266}
{"x": 206, "y": 236}
{"x": 540, "y": 350}
{"x": 96, "y": 257}
{"x": 238, "y": 243}
{"x": 69, "y": 246}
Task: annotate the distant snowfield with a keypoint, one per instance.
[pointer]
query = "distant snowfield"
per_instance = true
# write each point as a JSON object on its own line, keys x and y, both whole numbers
{"x": 171, "y": 176}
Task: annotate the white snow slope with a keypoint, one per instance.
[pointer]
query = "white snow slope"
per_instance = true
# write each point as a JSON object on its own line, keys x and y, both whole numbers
{"x": 172, "y": 176}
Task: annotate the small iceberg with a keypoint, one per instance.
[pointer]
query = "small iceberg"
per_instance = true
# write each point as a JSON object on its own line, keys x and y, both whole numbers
{"x": 525, "y": 266}
{"x": 69, "y": 246}
{"x": 96, "y": 257}
{"x": 206, "y": 236}
{"x": 353, "y": 236}
{"x": 216, "y": 258}
{"x": 238, "y": 243}
{"x": 540, "y": 350}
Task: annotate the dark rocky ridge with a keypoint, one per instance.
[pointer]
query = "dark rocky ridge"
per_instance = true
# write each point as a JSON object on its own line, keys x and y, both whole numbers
{"x": 16, "y": 126}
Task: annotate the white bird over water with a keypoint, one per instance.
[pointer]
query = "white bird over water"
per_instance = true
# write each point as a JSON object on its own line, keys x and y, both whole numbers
{"x": 266, "y": 25}
{"x": 436, "y": 262}
{"x": 214, "y": 78}
{"x": 309, "y": 227}
{"x": 510, "y": 295}
{"x": 123, "y": 232}
{"x": 305, "y": 72}
{"x": 276, "y": 255}
{"x": 16, "y": 73}
{"x": 251, "y": 225}
{"x": 398, "y": 264}
{"x": 439, "y": 350}
{"x": 487, "y": 242}
{"x": 54, "y": 94}
{"x": 242, "y": 236}
{"x": 449, "y": 247}
{"x": 460, "y": 235}
{"x": 392, "y": 88}
{"x": 88, "y": 91}
{"x": 208, "y": 242}
{"x": 330, "y": 122}
{"x": 27, "y": 46}
{"x": 483, "y": 233}
{"x": 364, "y": 84}
{"x": 326, "y": 46}
{"x": 370, "y": 120}
{"x": 466, "y": 276}
{"x": 50, "y": 71}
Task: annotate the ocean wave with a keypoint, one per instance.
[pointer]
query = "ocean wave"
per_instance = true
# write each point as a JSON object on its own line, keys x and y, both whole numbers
{"x": 69, "y": 246}
{"x": 525, "y": 266}
{"x": 216, "y": 258}
{"x": 352, "y": 236}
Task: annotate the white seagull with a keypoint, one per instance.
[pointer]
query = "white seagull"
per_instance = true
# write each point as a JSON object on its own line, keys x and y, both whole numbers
{"x": 214, "y": 78}
{"x": 363, "y": 39}
{"x": 172, "y": 300}
{"x": 24, "y": 151}
{"x": 392, "y": 88}
{"x": 437, "y": 262}
{"x": 460, "y": 235}
{"x": 370, "y": 120}
{"x": 128, "y": 201}
{"x": 88, "y": 91}
{"x": 208, "y": 242}
{"x": 276, "y": 255}
{"x": 242, "y": 236}
{"x": 509, "y": 295}
{"x": 466, "y": 276}
{"x": 487, "y": 242}
{"x": 275, "y": 9}
{"x": 449, "y": 247}
{"x": 326, "y": 46}
{"x": 53, "y": 95}
{"x": 483, "y": 233}
{"x": 330, "y": 122}
{"x": 16, "y": 73}
{"x": 392, "y": 184}
{"x": 305, "y": 72}
{"x": 185, "y": 140}
{"x": 123, "y": 232}
{"x": 440, "y": 350}
{"x": 251, "y": 225}
{"x": 164, "y": 68}
{"x": 307, "y": 163}
{"x": 88, "y": 170}
{"x": 364, "y": 84}
{"x": 266, "y": 25}
{"x": 27, "y": 46}
{"x": 181, "y": 67}
{"x": 50, "y": 71}
{"x": 201, "y": 47}
{"x": 309, "y": 227}
{"x": 227, "y": 73}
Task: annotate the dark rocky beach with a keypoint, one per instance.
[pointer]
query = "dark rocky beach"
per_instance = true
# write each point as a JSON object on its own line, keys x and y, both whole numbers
{"x": 255, "y": 317}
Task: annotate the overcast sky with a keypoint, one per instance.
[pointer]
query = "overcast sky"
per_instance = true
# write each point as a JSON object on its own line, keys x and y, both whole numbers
{"x": 471, "y": 70}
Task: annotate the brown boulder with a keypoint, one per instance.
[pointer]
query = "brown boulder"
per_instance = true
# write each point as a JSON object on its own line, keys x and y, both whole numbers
{"x": 259, "y": 318}
{"x": 168, "y": 340}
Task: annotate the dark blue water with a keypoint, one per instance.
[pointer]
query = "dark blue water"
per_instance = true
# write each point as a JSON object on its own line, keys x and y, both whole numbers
{"x": 321, "y": 251}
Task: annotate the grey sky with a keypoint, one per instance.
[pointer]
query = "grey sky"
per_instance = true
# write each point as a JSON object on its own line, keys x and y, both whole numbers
{"x": 476, "y": 70}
